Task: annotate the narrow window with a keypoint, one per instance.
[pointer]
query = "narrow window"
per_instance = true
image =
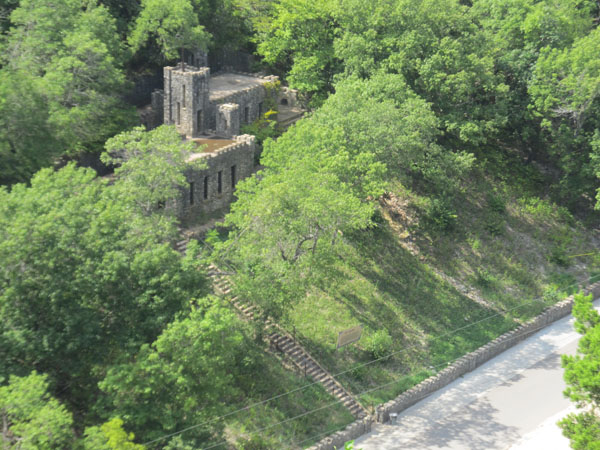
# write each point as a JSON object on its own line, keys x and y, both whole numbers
{"x": 260, "y": 109}
{"x": 233, "y": 177}
{"x": 178, "y": 113}
{"x": 220, "y": 181}
{"x": 199, "y": 120}
{"x": 247, "y": 115}
{"x": 183, "y": 95}
{"x": 191, "y": 193}
{"x": 205, "y": 188}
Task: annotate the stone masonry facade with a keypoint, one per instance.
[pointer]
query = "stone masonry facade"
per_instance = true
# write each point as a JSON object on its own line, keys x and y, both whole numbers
{"x": 211, "y": 190}
{"x": 198, "y": 104}
{"x": 210, "y": 110}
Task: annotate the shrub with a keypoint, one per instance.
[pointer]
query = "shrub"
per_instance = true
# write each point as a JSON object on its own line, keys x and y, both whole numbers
{"x": 558, "y": 255}
{"x": 484, "y": 278}
{"x": 496, "y": 203}
{"x": 379, "y": 343}
{"x": 440, "y": 214}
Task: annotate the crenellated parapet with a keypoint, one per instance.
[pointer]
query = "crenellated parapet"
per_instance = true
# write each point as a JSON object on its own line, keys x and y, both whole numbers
{"x": 212, "y": 189}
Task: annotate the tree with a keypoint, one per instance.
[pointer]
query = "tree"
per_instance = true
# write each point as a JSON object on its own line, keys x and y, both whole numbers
{"x": 297, "y": 38}
{"x": 186, "y": 377}
{"x": 319, "y": 183}
{"x": 519, "y": 29}
{"x": 565, "y": 92}
{"x": 84, "y": 277}
{"x": 26, "y": 140}
{"x": 151, "y": 166}
{"x": 67, "y": 56}
{"x": 582, "y": 376}
{"x": 32, "y": 419}
{"x": 171, "y": 24}
{"x": 109, "y": 436}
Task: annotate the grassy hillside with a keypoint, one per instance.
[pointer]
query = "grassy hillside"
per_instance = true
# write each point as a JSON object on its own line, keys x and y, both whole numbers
{"x": 433, "y": 280}
{"x": 430, "y": 281}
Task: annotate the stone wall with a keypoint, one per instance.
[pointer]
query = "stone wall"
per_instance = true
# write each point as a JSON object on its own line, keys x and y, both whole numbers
{"x": 186, "y": 99}
{"x": 250, "y": 100}
{"x": 234, "y": 163}
{"x": 228, "y": 120}
{"x": 475, "y": 359}
{"x": 455, "y": 370}
{"x": 338, "y": 439}
{"x": 288, "y": 97}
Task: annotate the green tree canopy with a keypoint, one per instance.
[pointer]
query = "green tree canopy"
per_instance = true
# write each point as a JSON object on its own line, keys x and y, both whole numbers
{"x": 62, "y": 67}
{"x": 297, "y": 37}
{"x": 565, "y": 92}
{"x": 171, "y": 24}
{"x": 583, "y": 378}
{"x": 84, "y": 276}
{"x": 151, "y": 166}
{"x": 32, "y": 419}
{"x": 186, "y": 377}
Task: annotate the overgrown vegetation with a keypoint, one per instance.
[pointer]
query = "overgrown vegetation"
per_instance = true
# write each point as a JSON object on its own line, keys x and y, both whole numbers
{"x": 440, "y": 192}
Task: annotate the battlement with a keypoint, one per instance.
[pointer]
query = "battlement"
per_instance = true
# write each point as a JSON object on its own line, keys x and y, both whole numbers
{"x": 188, "y": 70}
{"x": 244, "y": 142}
{"x": 212, "y": 189}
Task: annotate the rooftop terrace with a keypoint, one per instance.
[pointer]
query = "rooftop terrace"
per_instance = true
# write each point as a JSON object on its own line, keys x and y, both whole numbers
{"x": 225, "y": 84}
{"x": 210, "y": 146}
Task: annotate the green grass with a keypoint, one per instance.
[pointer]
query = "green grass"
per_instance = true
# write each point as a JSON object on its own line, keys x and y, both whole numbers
{"x": 500, "y": 254}
{"x": 509, "y": 248}
{"x": 259, "y": 427}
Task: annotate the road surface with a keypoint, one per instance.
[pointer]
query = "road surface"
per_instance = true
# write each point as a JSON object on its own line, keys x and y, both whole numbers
{"x": 511, "y": 402}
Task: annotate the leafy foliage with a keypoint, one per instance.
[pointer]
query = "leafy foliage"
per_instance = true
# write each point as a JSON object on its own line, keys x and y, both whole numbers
{"x": 151, "y": 166}
{"x": 84, "y": 275}
{"x": 61, "y": 81}
{"x": 32, "y": 419}
{"x": 172, "y": 24}
{"x": 185, "y": 377}
{"x": 583, "y": 378}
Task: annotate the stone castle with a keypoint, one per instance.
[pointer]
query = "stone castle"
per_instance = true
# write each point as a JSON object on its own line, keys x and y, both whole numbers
{"x": 210, "y": 111}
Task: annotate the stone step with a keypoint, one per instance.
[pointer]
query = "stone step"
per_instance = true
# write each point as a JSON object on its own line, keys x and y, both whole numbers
{"x": 286, "y": 344}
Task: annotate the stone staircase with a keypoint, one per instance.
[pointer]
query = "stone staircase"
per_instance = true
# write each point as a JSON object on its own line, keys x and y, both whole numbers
{"x": 282, "y": 341}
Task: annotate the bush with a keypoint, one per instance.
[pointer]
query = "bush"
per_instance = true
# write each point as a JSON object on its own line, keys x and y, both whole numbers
{"x": 379, "y": 344}
{"x": 484, "y": 278}
{"x": 494, "y": 223}
{"x": 254, "y": 442}
{"x": 496, "y": 203}
{"x": 440, "y": 214}
{"x": 558, "y": 255}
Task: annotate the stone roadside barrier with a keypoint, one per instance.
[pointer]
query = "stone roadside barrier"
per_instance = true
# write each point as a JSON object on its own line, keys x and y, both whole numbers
{"x": 458, "y": 368}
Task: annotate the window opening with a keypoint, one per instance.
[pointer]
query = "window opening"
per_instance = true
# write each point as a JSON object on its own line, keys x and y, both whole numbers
{"x": 220, "y": 181}
{"x": 199, "y": 120}
{"x": 233, "y": 176}
{"x": 205, "y": 188}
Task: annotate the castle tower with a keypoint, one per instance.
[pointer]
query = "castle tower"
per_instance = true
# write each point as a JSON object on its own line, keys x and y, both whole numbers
{"x": 186, "y": 99}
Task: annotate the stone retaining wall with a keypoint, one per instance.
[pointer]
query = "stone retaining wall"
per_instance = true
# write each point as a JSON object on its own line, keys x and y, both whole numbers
{"x": 338, "y": 439}
{"x": 457, "y": 369}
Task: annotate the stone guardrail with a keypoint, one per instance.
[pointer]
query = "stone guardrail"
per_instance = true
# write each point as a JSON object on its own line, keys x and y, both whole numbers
{"x": 458, "y": 368}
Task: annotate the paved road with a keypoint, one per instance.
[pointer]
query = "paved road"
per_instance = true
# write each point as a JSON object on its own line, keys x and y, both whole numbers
{"x": 511, "y": 402}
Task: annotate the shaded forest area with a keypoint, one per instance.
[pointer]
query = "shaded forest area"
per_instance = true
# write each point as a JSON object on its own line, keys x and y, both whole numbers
{"x": 447, "y": 171}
